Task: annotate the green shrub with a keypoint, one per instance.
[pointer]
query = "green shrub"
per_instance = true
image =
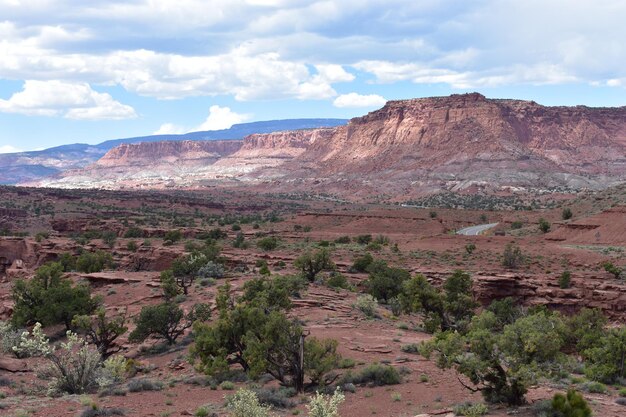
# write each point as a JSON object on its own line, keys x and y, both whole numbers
{"x": 134, "y": 233}
{"x": 277, "y": 397}
{"x": 361, "y": 263}
{"x": 325, "y": 406}
{"x": 227, "y": 386}
{"x": 267, "y": 243}
{"x": 49, "y": 298}
{"x": 385, "y": 282}
{"x": 410, "y": 348}
{"x": 337, "y": 280}
{"x": 566, "y": 214}
{"x": 343, "y": 240}
{"x": 512, "y": 256}
{"x": 517, "y": 225}
{"x": 544, "y": 225}
{"x": 471, "y": 409}
{"x": 367, "y": 304}
{"x": 310, "y": 264}
{"x": 172, "y": 236}
{"x": 571, "y": 405}
{"x": 470, "y": 248}
{"x": 594, "y": 387}
{"x": 565, "y": 280}
{"x": 347, "y": 363}
{"x": 139, "y": 385}
{"x": 363, "y": 239}
{"x": 166, "y": 321}
{"x": 244, "y": 403}
{"x": 89, "y": 262}
{"x": 374, "y": 375}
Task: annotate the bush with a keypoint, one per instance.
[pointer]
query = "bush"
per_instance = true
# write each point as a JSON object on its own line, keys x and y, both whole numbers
{"x": 109, "y": 238}
{"x": 325, "y": 406}
{"x": 410, "y": 348}
{"x": 470, "y": 248}
{"x": 132, "y": 246}
{"x": 227, "y": 386}
{"x": 471, "y": 409}
{"x": 363, "y": 239}
{"x": 310, "y": 264}
{"x": 337, "y": 280}
{"x": 166, "y": 321}
{"x": 139, "y": 385}
{"x": 245, "y": 403}
{"x": 134, "y": 233}
{"x": 361, "y": 263}
{"x": 565, "y": 280}
{"x": 343, "y": 240}
{"x": 384, "y": 282}
{"x": 544, "y": 225}
{"x": 49, "y": 298}
{"x": 73, "y": 367}
{"x": 571, "y": 405}
{"x": 9, "y": 337}
{"x": 594, "y": 387}
{"x": 267, "y": 243}
{"x": 172, "y": 236}
{"x": 211, "y": 270}
{"x": 276, "y": 397}
{"x": 94, "y": 262}
{"x": 367, "y": 304}
{"x": 374, "y": 375}
{"x": 516, "y": 225}
{"x": 102, "y": 331}
{"x": 566, "y": 214}
{"x": 612, "y": 269}
{"x": 512, "y": 256}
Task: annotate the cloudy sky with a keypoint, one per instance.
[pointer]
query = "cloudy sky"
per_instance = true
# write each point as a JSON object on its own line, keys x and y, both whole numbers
{"x": 86, "y": 71}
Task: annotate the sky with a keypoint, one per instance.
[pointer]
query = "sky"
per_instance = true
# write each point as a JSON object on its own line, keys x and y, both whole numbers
{"x": 76, "y": 71}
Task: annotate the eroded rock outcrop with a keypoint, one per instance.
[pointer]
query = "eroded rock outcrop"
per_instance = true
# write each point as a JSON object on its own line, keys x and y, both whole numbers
{"x": 460, "y": 142}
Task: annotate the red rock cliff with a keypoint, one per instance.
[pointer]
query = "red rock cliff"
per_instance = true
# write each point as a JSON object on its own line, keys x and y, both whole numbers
{"x": 151, "y": 153}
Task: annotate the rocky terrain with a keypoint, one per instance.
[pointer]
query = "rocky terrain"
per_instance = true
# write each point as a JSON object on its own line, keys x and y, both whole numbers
{"x": 41, "y": 224}
{"x": 461, "y": 143}
{"x": 32, "y": 166}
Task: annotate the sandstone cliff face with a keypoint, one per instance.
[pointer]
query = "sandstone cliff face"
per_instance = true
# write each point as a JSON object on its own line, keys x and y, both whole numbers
{"x": 150, "y": 153}
{"x": 406, "y": 148}
{"x": 434, "y": 132}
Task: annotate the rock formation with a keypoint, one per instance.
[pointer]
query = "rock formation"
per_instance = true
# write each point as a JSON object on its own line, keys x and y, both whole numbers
{"x": 408, "y": 147}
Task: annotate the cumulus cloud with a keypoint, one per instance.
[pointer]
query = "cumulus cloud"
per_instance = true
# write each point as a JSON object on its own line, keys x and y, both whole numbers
{"x": 221, "y": 118}
{"x": 70, "y": 100}
{"x": 358, "y": 100}
{"x": 169, "y": 129}
{"x": 298, "y": 49}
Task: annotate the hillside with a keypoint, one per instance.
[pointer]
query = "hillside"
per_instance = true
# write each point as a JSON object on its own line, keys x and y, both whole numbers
{"x": 407, "y": 148}
{"x": 32, "y": 166}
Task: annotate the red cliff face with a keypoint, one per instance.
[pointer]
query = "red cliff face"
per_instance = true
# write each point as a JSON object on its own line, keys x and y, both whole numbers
{"x": 150, "y": 153}
{"x": 408, "y": 147}
{"x": 435, "y": 132}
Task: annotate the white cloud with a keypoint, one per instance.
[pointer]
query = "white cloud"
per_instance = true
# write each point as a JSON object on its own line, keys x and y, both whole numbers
{"x": 9, "y": 149}
{"x": 298, "y": 49}
{"x": 169, "y": 129}
{"x": 358, "y": 100}
{"x": 70, "y": 100}
{"x": 221, "y": 118}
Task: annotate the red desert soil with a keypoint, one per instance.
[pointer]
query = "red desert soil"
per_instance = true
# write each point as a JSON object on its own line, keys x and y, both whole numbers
{"x": 426, "y": 244}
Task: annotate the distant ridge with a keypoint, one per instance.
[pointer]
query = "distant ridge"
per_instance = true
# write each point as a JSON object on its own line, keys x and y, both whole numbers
{"x": 30, "y": 166}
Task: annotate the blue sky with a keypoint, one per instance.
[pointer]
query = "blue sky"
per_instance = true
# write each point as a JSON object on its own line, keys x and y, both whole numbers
{"x": 86, "y": 71}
